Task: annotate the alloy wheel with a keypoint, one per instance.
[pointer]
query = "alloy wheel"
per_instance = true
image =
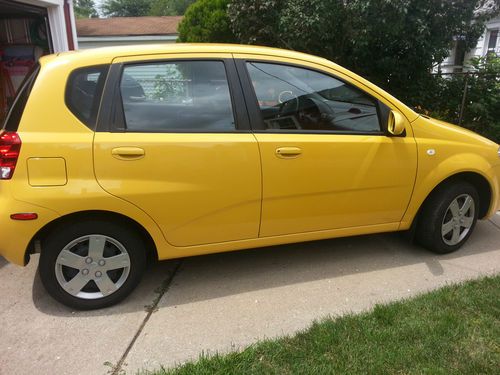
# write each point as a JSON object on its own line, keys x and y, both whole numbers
{"x": 458, "y": 219}
{"x": 92, "y": 266}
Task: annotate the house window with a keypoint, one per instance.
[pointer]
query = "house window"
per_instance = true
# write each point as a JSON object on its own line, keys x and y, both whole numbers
{"x": 492, "y": 43}
{"x": 459, "y": 52}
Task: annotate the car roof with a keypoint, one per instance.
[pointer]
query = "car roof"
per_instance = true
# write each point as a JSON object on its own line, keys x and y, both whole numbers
{"x": 152, "y": 49}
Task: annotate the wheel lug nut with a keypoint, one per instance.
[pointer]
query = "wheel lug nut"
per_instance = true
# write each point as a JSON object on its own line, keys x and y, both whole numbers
{"x": 102, "y": 262}
{"x": 88, "y": 260}
{"x": 85, "y": 271}
{"x": 98, "y": 274}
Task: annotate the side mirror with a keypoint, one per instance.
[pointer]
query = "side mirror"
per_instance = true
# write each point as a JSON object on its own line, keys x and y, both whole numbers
{"x": 396, "y": 124}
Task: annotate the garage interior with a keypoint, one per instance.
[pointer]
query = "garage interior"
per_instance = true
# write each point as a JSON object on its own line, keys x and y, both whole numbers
{"x": 24, "y": 37}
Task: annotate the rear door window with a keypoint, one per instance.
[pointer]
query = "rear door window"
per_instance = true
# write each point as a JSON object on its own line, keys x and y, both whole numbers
{"x": 84, "y": 92}
{"x": 177, "y": 96}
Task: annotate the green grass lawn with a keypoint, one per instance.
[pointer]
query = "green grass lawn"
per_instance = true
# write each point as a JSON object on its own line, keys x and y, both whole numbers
{"x": 454, "y": 330}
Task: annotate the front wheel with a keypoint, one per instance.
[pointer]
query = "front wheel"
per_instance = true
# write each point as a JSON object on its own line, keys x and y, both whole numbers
{"x": 92, "y": 264}
{"x": 448, "y": 217}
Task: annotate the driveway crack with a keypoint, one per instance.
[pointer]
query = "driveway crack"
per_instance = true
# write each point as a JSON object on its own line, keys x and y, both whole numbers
{"x": 150, "y": 309}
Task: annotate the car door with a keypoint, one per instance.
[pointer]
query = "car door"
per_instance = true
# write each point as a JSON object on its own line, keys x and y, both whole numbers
{"x": 326, "y": 161}
{"x": 172, "y": 140}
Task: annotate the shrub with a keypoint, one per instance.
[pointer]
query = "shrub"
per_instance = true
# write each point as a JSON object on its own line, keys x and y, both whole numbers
{"x": 206, "y": 21}
{"x": 442, "y": 97}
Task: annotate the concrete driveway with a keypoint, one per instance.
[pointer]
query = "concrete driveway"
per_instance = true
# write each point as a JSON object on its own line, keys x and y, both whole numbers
{"x": 223, "y": 302}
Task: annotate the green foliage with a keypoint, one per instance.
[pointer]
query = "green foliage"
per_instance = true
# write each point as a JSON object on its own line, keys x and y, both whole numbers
{"x": 125, "y": 8}
{"x": 257, "y": 22}
{"x": 398, "y": 42}
{"x": 85, "y": 9}
{"x": 169, "y": 7}
{"x": 391, "y": 42}
{"x": 170, "y": 86}
{"x": 442, "y": 98}
{"x": 206, "y": 21}
{"x": 138, "y": 8}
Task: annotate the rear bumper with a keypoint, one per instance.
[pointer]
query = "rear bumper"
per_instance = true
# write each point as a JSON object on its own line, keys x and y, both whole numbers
{"x": 15, "y": 235}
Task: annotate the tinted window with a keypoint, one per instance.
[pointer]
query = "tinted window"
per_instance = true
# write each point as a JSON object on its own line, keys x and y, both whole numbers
{"x": 292, "y": 98}
{"x": 16, "y": 110}
{"x": 177, "y": 96}
{"x": 84, "y": 91}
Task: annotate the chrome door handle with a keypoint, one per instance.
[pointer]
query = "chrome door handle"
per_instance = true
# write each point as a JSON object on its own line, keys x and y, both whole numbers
{"x": 288, "y": 152}
{"x": 128, "y": 153}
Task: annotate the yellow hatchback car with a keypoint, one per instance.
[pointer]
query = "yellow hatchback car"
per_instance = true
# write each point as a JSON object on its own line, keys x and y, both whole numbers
{"x": 112, "y": 156}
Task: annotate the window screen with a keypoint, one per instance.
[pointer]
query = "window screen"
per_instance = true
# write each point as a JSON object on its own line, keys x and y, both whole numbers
{"x": 176, "y": 96}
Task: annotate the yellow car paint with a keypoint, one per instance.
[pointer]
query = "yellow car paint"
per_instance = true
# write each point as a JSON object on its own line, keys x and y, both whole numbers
{"x": 47, "y": 172}
{"x": 189, "y": 168}
{"x": 257, "y": 198}
{"x": 316, "y": 191}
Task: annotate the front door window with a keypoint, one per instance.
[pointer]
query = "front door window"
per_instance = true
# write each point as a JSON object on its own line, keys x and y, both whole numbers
{"x": 292, "y": 98}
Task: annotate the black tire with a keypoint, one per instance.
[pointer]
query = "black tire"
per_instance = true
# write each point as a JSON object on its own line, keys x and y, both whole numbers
{"x": 63, "y": 235}
{"x": 430, "y": 221}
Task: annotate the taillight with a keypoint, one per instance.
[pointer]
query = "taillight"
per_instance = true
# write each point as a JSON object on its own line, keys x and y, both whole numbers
{"x": 10, "y": 146}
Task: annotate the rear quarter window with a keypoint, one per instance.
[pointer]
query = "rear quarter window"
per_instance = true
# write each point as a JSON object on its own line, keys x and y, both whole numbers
{"x": 84, "y": 92}
{"x": 16, "y": 110}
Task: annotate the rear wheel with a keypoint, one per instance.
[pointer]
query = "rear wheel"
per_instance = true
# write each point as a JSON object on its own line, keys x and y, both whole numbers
{"x": 92, "y": 264}
{"x": 448, "y": 217}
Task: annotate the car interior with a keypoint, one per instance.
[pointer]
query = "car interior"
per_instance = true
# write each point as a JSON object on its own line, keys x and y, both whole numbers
{"x": 199, "y": 99}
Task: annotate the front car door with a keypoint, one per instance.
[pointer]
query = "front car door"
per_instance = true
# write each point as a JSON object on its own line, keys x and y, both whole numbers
{"x": 326, "y": 161}
{"x": 173, "y": 141}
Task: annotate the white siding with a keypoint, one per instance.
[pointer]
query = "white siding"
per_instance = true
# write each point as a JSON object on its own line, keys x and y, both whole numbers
{"x": 103, "y": 41}
{"x": 447, "y": 66}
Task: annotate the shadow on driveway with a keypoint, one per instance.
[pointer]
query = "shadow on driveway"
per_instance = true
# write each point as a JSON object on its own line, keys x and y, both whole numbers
{"x": 3, "y": 262}
{"x": 219, "y": 275}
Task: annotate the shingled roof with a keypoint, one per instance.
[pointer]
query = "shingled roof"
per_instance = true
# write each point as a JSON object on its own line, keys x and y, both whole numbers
{"x": 121, "y": 26}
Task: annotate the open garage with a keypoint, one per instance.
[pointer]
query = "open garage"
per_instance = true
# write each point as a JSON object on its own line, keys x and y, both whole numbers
{"x": 30, "y": 29}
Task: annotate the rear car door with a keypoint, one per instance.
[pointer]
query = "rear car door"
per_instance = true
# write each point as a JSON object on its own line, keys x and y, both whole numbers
{"x": 326, "y": 162}
{"x": 172, "y": 139}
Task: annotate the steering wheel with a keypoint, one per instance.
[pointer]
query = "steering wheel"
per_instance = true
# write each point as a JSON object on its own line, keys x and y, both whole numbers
{"x": 289, "y": 102}
{"x": 310, "y": 113}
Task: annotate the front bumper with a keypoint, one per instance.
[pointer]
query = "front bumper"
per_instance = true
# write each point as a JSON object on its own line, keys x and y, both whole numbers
{"x": 495, "y": 172}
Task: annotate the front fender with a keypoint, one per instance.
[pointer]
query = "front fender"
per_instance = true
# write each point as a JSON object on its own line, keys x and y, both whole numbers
{"x": 430, "y": 175}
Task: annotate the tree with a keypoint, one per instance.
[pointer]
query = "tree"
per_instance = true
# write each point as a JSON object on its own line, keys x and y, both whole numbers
{"x": 398, "y": 42}
{"x": 394, "y": 43}
{"x": 85, "y": 9}
{"x": 481, "y": 108}
{"x": 125, "y": 8}
{"x": 206, "y": 21}
{"x": 169, "y": 7}
{"x": 257, "y": 22}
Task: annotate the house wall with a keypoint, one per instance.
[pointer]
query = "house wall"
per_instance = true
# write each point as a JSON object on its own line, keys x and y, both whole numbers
{"x": 106, "y": 41}
{"x": 481, "y": 49}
